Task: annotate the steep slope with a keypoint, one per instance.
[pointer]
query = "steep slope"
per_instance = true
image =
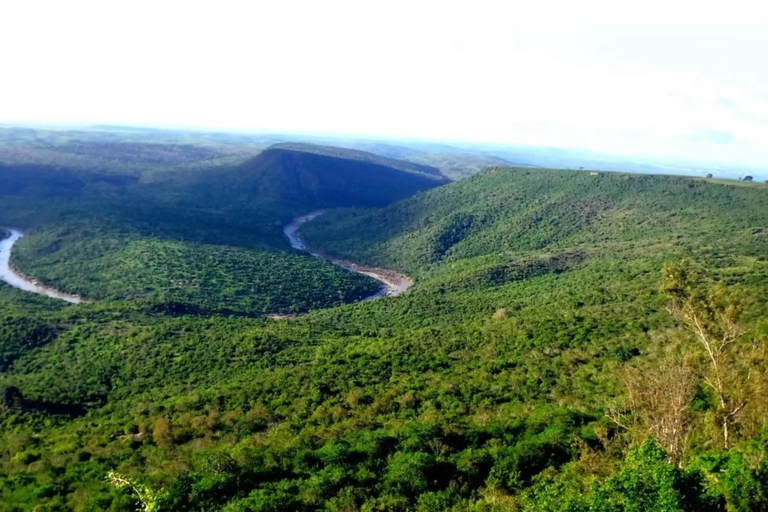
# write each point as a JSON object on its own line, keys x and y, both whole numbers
{"x": 362, "y": 156}
{"x": 300, "y": 179}
{"x": 524, "y": 211}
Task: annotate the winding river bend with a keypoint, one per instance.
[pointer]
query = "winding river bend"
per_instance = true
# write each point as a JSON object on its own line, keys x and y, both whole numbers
{"x": 21, "y": 282}
{"x": 393, "y": 283}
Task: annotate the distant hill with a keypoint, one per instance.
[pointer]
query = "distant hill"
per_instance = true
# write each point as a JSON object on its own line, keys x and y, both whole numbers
{"x": 454, "y": 162}
{"x": 460, "y": 165}
{"x": 307, "y": 177}
{"x": 139, "y": 153}
{"x": 290, "y": 177}
{"x": 361, "y": 156}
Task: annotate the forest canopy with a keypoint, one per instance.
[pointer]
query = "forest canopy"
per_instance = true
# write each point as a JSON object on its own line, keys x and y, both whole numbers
{"x": 572, "y": 342}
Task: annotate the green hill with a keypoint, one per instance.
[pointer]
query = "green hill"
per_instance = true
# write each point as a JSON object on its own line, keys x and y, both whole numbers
{"x": 320, "y": 177}
{"x": 534, "y": 366}
{"x": 506, "y": 212}
{"x": 210, "y": 239}
{"x": 363, "y": 156}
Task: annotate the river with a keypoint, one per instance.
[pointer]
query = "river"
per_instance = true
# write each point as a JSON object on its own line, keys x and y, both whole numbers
{"x": 393, "y": 283}
{"x": 21, "y": 282}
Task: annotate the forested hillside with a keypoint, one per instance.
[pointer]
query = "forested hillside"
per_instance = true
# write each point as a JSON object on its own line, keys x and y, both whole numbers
{"x": 362, "y": 156}
{"x": 202, "y": 239}
{"x": 278, "y": 177}
{"x": 507, "y": 212}
{"x": 551, "y": 356}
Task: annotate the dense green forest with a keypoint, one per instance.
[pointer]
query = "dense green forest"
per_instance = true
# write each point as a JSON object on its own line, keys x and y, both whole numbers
{"x": 203, "y": 240}
{"x": 505, "y": 213}
{"x": 573, "y": 342}
{"x": 363, "y": 156}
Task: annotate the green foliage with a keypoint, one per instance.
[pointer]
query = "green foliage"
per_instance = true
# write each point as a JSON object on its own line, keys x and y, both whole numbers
{"x": 483, "y": 388}
{"x": 19, "y": 334}
{"x": 647, "y": 483}
{"x": 202, "y": 241}
{"x": 644, "y": 482}
{"x": 101, "y": 261}
{"x": 519, "y": 211}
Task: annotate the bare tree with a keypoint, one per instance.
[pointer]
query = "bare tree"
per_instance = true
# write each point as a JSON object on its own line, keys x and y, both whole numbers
{"x": 713, "y": 315}
{"x": 658, "y": 403}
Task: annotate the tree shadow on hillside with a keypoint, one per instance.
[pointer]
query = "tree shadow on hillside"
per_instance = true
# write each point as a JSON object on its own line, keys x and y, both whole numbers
{"x": 11, "y": 399}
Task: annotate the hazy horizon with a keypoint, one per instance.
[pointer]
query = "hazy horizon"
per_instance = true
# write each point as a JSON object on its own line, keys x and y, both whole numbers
{"x": 659, "y": 81}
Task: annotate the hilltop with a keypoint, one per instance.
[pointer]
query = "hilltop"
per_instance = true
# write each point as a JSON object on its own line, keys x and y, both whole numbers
{"x": 301, "y": 176}
{"x": 363, "y": 156}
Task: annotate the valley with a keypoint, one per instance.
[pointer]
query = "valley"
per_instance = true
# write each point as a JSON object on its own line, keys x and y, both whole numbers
{"x": 542, "y": 348}
{"x": 393, "y": 282}
{"x": 383, "y": 257}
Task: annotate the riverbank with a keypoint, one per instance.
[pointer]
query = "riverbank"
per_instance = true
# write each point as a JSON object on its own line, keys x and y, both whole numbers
{"x": 394, "y": 283}
{"x": 18, "y": 280}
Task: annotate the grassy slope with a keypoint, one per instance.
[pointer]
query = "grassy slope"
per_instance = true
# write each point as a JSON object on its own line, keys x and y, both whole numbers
{"x": 485, "y": 381}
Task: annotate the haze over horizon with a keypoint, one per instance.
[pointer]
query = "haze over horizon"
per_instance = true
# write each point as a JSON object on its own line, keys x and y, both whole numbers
{"x": 686, "y": 84}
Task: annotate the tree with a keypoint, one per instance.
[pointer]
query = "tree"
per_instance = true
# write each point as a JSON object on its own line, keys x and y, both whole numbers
{"x": 748, "y": 178}
{"x": 647, "y": 483}
{"x": 162, "y": 432}
{"x": 713, "y": 315}
{"x": 658, "y": 404}
{"x": 709, "y": 175}
{"x": 149, "y": 499}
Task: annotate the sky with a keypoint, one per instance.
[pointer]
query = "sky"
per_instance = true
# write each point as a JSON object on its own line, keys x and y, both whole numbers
{"x": 671, "y": 79}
